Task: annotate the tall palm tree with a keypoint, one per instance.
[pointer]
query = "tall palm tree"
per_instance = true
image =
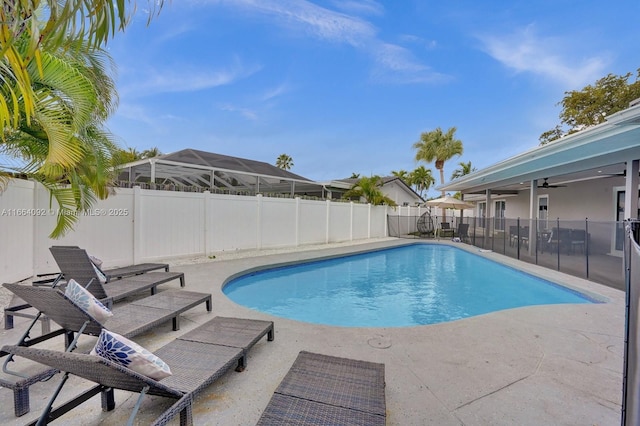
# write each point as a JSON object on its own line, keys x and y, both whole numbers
{"x": 63, "y": 144}
{"x": 28, "y": 27}
{"x": 422, "y": 179}
{"x": 284, "y": 162}
{"x": 369, "y": 189}
{"x": 439, "y": 147}
{"x": 465, "y": 169}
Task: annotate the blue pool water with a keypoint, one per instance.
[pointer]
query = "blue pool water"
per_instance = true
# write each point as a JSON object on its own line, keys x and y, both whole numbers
{"x": 405, "y": 286}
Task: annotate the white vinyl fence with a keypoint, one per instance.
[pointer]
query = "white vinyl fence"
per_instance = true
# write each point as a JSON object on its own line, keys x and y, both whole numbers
{"x": 137, "y": 225}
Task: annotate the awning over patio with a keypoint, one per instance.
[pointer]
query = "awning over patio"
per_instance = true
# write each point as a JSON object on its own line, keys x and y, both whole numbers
{"x": 611, "y": 148}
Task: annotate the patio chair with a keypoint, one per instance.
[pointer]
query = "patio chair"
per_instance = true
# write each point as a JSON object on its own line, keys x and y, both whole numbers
{"x": 18, "y": 308}
{"x": 322, "y": 389}
{"x": 559, "y": 239}
{"x": 463, "y": 232}
{"x": 518, "y": 235}
{"x": 446, "y": 230}
{"x": 128, "y": 320}
{"x": 74, "y": 263}
{"x": 126, "y": 271}
{"x": 524, "y": 236}
{"x": 196, "y": 359}
{"x": 578, "y": 240}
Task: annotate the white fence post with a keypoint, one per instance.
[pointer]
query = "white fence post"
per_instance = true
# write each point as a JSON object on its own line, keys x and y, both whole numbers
{"x": 369, "y": 220}
{"x": 351, "y": 221}
{"x": 297, "y": 222}
{"x": 205, "y": 220}
{"x": 137, "y": 224}
{"x": 384, "y": 222}
{"x": 259, "y": 223}
{"x": 327, "y": 221}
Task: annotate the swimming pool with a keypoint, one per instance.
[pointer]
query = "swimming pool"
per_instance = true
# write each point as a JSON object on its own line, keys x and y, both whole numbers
{"x": 417, "y": 284}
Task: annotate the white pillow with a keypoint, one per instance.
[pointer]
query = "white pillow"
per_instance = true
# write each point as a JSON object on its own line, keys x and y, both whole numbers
{"x": 101, "y": 276}
{"x": 86, "y": 301}
{"x": 123, "y": 351}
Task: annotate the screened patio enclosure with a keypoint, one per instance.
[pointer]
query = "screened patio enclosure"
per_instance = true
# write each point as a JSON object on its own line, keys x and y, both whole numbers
{"x": 196, "y": 171}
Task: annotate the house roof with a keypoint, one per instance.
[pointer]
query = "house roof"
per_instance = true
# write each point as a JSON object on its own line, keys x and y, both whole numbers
{"x": 593, "y": 153}
{"x": 208, "y": 170}
{"x": 227, "y": 162}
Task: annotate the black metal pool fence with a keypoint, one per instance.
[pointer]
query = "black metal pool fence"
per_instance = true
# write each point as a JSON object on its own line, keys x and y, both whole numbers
{"x": 583, "y": 248}
{"x": 631, "y": 371}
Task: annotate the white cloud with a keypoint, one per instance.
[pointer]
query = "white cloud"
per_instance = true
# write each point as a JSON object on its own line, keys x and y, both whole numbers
{"x": 427, "y": 44}
{"x": 397, "y": 64}
{"x": 310, "y": 18}
{"x": 275, "y": 92}
{"x": 136, "y": 113}
{"x": 176, "y": 80}
{"x": 552, "y": 57}
{"x": 318, "y": 22}
{"x": 365, "y": 7}
{"x": 245, "y": 112}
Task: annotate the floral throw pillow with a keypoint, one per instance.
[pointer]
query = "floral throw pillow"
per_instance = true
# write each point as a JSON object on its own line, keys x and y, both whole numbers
{"x": 123, "y": 351}
{"x": 86, "y": 301}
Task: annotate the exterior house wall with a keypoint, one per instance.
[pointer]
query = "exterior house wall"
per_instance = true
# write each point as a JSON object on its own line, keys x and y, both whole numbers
{"x": 136, "y": 225}
{"x": 592, "y": 199}
{"x": 399, "y": 194}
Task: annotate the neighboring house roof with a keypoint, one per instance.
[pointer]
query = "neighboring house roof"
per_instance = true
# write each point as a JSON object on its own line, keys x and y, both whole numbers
{"x": 227, "y": 162}
{"x": 592, "y": 153}
{"x": 217, "y": 172}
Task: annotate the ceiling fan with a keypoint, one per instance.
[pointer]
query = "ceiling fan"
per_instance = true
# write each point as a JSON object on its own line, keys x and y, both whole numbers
{"x": 623, "y": 174}
{"x": 546, "y": 185}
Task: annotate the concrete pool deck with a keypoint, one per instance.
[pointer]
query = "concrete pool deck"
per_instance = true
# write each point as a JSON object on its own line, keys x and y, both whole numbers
{"x": 554, "y": 364}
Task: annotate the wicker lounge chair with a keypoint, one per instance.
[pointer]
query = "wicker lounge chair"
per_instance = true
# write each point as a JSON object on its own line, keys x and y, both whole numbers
{"x": 126, "y": 271}
{"x": 74, "y": 263}
{"x": 196, "y": 360}
{"x": 128, "y": 320}
{"x": 321, "y": 389}
{"x": 18, "y": 307}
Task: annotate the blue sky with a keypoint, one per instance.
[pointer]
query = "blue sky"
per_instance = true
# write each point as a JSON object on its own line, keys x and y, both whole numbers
{"x": 348, "y": 86}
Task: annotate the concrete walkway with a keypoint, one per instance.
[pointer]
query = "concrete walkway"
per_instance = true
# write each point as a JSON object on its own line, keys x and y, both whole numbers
{"x": 543, "y": 365}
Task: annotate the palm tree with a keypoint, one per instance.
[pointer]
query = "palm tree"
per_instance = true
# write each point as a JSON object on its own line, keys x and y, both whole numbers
{"x": 465, "y": 169}
{"x": 422, "y": 179}
{"x": 402, "y": 174}
{"x": 63, "y": 145}
{"x": 355, "y": 175}
{"x": 284, "y": 162}
{"x": 28, "y": 28}
{"x": 151, "y": 152}
{"x": 369, "y": 189}
{"x": 439, "y": 147}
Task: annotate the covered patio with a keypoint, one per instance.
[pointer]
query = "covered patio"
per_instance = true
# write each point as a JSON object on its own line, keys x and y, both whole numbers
{"x": 590, "y": 174}
{"x": 561, "y": 205}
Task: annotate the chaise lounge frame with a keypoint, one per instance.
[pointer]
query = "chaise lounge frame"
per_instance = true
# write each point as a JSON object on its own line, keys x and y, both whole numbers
{"x": 128, "y": 320}
{"x": 74, "y": 263}
{"x": 17, "y": 305}
{"x": 196, "y": 359}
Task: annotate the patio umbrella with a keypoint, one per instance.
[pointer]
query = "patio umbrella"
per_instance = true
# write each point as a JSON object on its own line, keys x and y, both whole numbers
{"x": 448, "y": 202}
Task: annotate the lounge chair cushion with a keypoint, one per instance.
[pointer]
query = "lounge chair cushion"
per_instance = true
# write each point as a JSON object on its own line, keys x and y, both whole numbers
{"x": 86, "y": 301}
{"x": 117, "y": 348}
